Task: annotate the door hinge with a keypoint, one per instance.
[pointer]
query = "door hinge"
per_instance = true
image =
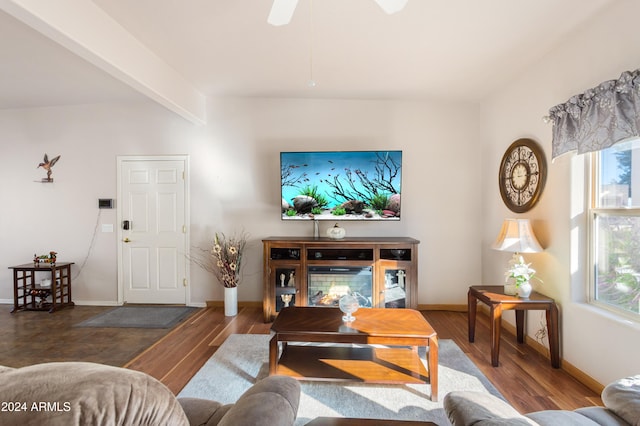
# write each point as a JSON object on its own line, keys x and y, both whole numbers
{"x": 184, "y": 282}
{"x": 183, "y": 175}
{"x": 184, "y": 229}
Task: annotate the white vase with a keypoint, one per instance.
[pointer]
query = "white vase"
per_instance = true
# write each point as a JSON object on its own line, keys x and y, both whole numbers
{"x": 230, "y": 301}
{"x": 524, "y": 290}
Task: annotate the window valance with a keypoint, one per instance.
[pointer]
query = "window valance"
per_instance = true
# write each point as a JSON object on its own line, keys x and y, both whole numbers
{"x": 599, "y": 117}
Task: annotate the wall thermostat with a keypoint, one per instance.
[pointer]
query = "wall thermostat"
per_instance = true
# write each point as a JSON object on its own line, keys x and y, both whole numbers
{"x": 105, "y": 203}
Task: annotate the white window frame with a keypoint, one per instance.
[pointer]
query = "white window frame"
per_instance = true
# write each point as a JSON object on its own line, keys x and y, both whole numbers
{"x": 593, "y": 212}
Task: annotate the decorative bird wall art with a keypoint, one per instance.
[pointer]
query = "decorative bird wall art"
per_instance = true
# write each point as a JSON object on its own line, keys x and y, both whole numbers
{"x": 47, "y": 165}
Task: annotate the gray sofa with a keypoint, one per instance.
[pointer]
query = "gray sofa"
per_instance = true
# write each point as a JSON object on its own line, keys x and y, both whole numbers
{"x": 621, "y": 399}
{"x": 81, "y": 393}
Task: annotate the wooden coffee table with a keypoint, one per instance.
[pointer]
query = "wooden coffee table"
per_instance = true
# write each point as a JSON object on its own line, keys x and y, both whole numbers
{"x": 385, "y": 351}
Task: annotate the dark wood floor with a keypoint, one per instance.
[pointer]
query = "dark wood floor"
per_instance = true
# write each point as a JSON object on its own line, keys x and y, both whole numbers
{"x": 31, "y": 337}
{"x": 524, "y": 376}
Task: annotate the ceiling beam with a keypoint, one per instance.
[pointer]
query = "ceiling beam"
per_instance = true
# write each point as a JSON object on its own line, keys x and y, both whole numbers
{"x": 89, "y": 32}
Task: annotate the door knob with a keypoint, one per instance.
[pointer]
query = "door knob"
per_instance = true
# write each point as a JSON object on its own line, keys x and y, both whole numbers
{"x": 127, "y": 240}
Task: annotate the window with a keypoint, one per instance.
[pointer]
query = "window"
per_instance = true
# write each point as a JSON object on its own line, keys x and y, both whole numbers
{"x": 615, "y": 236}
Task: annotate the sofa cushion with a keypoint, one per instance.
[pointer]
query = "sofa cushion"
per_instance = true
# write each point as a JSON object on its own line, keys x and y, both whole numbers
{"x": 623, "y": 398}
{"x": 79, "y": 393}
{"x": 203, "y": 412}
{"x": 476, "y": 408}
{"x": 560, "y": 417}
{"x": 273, "y": 401}
{"x": 602, "y": 416}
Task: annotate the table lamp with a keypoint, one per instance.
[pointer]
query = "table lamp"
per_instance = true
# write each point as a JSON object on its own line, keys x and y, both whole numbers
{"x": 516, "y": 236}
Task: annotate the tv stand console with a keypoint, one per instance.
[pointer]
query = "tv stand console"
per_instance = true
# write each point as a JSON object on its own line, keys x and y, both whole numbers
{"x": 300, "y": 271}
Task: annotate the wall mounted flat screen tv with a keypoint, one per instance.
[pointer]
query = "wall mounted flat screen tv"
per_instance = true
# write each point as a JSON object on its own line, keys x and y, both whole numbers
{"x": 341, "y": 185}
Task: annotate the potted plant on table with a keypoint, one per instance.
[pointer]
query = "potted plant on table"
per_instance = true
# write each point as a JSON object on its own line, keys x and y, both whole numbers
{"x": 521, "y": 273}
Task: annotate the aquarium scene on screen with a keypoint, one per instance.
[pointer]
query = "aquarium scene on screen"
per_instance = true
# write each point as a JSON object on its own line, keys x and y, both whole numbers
{"x": 341, "y": 185}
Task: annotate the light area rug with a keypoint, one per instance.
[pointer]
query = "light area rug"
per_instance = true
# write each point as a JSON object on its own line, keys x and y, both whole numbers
{"x": 244, "y": 358}
{"x": 139, "y": 317}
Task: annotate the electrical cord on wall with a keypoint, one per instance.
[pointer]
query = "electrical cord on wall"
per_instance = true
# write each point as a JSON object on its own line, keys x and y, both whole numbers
{"x": 542, "y": 332}
{"x": 93, "y": 240}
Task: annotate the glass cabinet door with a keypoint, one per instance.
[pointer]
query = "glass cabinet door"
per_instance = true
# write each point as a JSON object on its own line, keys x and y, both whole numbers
{"x": 394, "y": 293}
{"x": 394, "y": 277}
{"x": 285, "y": 282}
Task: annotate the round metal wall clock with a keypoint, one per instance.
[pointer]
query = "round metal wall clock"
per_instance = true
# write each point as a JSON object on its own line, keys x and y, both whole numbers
{"x": 522, "y": 175}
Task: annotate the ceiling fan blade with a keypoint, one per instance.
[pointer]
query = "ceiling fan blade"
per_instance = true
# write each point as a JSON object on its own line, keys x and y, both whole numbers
{"x": 281, "y": 12}
{"x": 392, "y": 6}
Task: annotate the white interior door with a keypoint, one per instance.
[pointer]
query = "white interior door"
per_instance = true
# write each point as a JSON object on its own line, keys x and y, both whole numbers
{"x": 154, "y": 248}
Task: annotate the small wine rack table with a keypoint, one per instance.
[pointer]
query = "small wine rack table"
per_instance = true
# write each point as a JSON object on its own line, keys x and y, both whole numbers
{"x": 29, "y": 295}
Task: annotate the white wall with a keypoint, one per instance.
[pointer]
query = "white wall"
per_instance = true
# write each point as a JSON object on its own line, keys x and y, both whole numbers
{"x": 62, "y": 216}
{"x": 598, "y": 344}
{"x": 235, "y": 182}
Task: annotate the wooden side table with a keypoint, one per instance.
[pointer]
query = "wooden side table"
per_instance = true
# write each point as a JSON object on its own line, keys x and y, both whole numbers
{"x": 494, "y": 297}
{"x": 29, "y": 296}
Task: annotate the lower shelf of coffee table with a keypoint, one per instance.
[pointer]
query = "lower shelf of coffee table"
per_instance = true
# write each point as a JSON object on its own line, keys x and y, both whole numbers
{"x": 345, "y": 363}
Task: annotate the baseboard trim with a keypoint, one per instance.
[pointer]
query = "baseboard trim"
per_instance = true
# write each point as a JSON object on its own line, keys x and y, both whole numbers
{"x": 454, "y": 308}
{"x": 220, "y": 304}
{"x": 112, "y": 303}
{"x": 96, "y": 303}
{"x": 582, "y": 377}
{"x": 253, "y": 304}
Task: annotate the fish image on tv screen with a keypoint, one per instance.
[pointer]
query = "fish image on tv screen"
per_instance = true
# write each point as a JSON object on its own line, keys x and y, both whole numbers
{"x": 341, "y": 185}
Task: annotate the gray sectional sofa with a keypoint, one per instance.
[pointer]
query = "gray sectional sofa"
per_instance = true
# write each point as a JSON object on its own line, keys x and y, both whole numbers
{"x": 621, "y": 408}
{"x": 82, "y": 393}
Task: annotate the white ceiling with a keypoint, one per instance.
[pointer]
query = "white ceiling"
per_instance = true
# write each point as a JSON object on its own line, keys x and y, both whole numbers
{"x": 455, "y": 49}
{"x": 37, "y": 72}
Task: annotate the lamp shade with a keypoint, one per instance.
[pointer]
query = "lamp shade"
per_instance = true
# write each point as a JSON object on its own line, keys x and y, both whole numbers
{"x": 516, "y": 235}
